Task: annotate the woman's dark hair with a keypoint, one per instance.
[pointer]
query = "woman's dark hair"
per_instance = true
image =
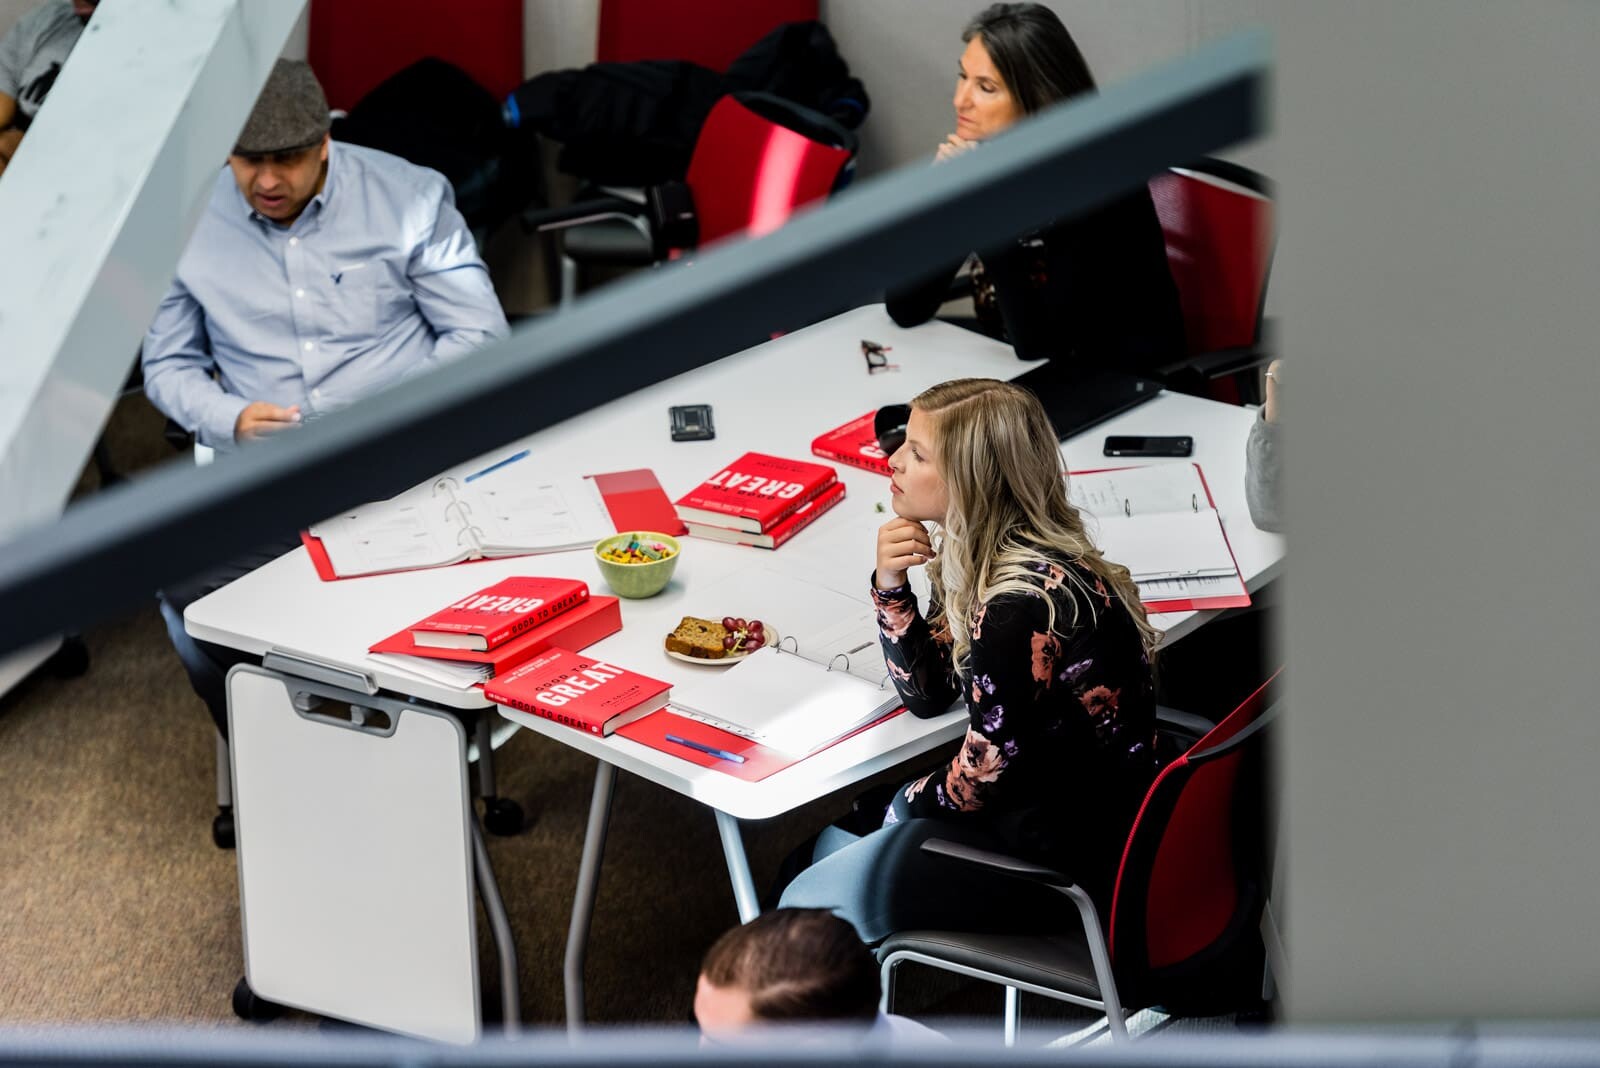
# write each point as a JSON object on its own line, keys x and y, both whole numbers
{"x": 797, "y": 964}
{"x": 1033, "y": 52}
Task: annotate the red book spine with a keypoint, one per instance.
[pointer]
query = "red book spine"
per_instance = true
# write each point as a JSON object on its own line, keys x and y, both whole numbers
{"x": 805, "y": 517}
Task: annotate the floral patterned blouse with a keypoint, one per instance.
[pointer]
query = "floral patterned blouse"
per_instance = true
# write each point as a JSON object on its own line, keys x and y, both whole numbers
{"x": 1060, "y": 747}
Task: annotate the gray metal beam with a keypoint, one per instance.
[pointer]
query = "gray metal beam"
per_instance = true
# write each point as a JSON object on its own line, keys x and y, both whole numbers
{"x": 96, "y": 209}
{"x": 110, "y": 551}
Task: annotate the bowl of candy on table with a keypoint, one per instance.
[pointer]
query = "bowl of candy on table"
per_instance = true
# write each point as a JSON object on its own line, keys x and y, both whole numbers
{"x": 637, "y": 564}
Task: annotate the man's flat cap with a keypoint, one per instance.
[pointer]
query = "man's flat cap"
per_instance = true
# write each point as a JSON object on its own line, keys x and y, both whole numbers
{"x": 290, "y": 113}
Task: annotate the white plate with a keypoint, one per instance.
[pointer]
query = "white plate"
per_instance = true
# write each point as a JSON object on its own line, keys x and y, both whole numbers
{"x": 731, "y": 658}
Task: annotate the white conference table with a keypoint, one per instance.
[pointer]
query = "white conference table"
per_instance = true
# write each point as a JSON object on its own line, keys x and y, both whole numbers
{"x": 773, "y": 398}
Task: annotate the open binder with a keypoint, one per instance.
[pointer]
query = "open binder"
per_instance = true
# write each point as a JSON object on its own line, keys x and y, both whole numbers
{"x": 1160, "y": 522}
{"x": 501, "y": 510}
{"x": 786, "y": 702}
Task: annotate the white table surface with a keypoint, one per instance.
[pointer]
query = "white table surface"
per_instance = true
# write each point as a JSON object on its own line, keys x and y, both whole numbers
{"x": 774, "y": 398}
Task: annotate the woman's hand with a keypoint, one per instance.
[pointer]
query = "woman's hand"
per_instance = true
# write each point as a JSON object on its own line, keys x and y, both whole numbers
{"x": 902, "y": 543}
{"x": 952, "y": 147}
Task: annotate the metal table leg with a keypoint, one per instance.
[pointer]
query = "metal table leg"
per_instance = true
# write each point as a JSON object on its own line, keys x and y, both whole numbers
{"x": 505, "y": 946}
{"x": 594, "y": 844}
{"x": 744, "y": 887}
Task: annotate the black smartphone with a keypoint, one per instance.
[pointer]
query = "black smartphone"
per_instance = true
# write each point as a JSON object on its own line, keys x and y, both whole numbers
{"x": 1136, "y": 446}
{"x": 691, "y": 422}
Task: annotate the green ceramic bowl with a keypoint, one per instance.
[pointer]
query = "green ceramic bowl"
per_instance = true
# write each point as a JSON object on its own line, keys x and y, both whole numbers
{"x": 642, "y": 579}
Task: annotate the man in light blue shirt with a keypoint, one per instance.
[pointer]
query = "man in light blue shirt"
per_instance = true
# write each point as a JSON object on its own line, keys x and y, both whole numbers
{"x": 319, "y": 274}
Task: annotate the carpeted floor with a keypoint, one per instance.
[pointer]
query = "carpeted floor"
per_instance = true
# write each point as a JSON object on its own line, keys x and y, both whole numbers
{"x": 117, "y": 907}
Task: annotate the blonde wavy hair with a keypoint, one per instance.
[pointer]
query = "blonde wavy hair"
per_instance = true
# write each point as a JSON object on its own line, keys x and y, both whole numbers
{"x": 1009, "y": 511}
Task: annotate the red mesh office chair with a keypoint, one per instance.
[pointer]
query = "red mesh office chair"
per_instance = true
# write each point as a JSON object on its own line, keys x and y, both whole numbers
{"x": 1183, "y": 927}
{"x": 758, "y": 159}
{"x": 1217, "y": 218}
{"x": 712, "y": 33}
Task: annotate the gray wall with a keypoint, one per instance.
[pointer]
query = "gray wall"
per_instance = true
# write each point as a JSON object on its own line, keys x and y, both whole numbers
{"x": 906, "y": 51}
{"x": 1439, "y": 279}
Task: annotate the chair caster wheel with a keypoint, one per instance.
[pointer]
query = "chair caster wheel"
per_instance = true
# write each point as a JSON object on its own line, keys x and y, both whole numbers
{"x": 71, "y": 660}
{"x": 502, "y": 816}
{"x": 247, "y": 1005}
{"x": 222, "y": 829}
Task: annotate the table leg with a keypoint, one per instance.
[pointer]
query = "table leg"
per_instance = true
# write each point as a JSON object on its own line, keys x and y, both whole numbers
{"x": 744, "y": 887}
{"x": 594, "y": 844}
{"x": 505, "y": 946}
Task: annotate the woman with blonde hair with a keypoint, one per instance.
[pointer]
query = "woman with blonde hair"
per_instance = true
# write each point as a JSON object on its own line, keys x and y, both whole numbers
{"x": 1046, "y": 642}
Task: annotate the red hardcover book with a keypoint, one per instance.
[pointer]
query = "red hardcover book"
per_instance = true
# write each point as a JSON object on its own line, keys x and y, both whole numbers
{"x": 782, "y": 532}
{"x": 854, "y": 444}
{"x": 491, "y": 617}
{"x": 596, "y": 618}
{"x": 578, "y": 690}
{"x": 755, "y": 493}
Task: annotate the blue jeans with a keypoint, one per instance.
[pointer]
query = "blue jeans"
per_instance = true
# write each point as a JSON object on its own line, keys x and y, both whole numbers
{"x": 883, "y": 882}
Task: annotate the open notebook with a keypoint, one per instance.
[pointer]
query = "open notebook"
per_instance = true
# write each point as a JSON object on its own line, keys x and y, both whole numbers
{"x": 824, "y": 679}
{"x": 504, "y": 508}
{"x": 784, "y": 701}
{"x": 1159, "y": 522}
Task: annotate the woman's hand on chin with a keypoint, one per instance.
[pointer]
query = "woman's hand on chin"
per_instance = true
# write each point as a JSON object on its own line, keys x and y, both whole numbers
{"x": 902, "y": 544}
{"x": 952, "y": 146}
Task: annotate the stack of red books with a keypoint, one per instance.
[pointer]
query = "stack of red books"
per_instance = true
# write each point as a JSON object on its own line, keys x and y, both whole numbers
{"x": 509, "y": 622}
{"x": 760, "y": 500}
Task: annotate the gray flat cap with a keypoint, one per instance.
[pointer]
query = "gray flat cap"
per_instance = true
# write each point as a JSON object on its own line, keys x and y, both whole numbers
{"x": 290, "y": 113}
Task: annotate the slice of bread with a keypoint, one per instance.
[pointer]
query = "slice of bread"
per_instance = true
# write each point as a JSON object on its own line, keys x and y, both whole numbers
{"x": 701, "y": 638}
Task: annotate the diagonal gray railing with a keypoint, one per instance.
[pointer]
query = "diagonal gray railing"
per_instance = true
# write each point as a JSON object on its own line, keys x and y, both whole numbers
{"x": 111, "y": 551}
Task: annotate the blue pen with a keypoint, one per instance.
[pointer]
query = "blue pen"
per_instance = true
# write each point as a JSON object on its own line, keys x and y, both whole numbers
{"x": 709, "y": 750}
{"x": 513, "y": 458}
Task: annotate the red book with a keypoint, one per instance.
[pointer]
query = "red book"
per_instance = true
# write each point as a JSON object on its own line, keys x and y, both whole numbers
{"x": 596, "y": 618}
{"x": 578, "y": 690}
{"x": 493, "y": 616}
{"x": 782, "y": 532}
{"x": 854, "y": 444}
{"x": 755, "y": 493}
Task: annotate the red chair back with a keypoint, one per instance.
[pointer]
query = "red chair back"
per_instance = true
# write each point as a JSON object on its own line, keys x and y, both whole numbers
{"x": 1219, "y": 250}
{"x": 712, "y": 33}
{"x": 1189, "y": 890}
{"x": 748, "y": 174}
{"x": 355, "y": 44}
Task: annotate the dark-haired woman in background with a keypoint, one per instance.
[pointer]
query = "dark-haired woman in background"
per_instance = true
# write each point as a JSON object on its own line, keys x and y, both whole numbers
{"x": 1093, "y": 290}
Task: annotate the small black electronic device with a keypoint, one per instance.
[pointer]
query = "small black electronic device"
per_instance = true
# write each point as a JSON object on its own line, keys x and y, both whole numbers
{"x": 691, "y": 422}
{"x": 1137, "y": 446}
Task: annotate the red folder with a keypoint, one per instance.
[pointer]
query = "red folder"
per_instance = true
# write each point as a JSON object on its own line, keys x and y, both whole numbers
{"x": 575, "y": 628}
{"x": 634, "y": 499}
{"x": 759, "y": 761}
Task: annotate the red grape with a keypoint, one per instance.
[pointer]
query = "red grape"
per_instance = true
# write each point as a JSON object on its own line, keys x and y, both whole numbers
{"x": 756, "y": 627}
{"x": 739, "y": 624}
{"x": 729, "y": 623}
{"x": 729, "y": 641}
{"x": 752, "y": 643}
